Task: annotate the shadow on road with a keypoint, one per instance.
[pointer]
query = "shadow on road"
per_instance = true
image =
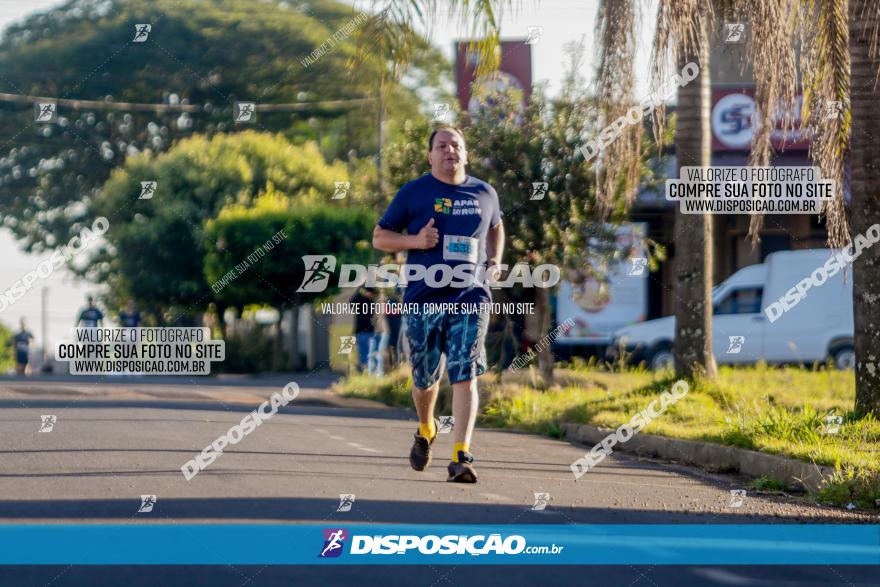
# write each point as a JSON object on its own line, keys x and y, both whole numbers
{"x": 316, "y": 510}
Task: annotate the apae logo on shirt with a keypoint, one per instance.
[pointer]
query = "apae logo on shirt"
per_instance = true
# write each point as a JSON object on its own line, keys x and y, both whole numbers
{"x": 443, "y": 205}
{"x": 457, "y": 207}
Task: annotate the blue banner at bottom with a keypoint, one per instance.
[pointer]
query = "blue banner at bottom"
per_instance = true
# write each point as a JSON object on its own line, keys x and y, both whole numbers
{"x": 356, "y": 544}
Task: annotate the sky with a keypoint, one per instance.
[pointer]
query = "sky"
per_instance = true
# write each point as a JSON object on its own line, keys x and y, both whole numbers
{"x": 563, "y": 21}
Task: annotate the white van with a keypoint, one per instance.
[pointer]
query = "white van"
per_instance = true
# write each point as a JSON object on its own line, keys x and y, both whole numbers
{"x": 819, "y": 327}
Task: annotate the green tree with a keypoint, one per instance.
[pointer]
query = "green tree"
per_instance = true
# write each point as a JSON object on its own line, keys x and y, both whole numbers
{"x": 310, "y": 228}
{"x": 157, "y": 247}
{"x": 254, "y": 251}
{"x": 7, "y": 356}
{"x": 203, "y": 55}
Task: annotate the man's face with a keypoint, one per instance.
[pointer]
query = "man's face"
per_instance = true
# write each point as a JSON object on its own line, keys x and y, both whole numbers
{"x": 448, "y": 153}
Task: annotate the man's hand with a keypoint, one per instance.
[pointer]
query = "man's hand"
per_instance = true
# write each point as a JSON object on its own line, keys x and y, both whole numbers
{"x": 493, "y": 271}
{"x": 427, "y": 237}
{"x": 391, "y": 241}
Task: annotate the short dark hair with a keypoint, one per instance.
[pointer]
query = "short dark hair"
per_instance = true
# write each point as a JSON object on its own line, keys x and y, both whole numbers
{"x": 434, "y": 132}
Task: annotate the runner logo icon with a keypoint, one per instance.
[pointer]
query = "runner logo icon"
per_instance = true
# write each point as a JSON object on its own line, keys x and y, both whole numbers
{"x": 539, "y": 190}
{"x": 736, "y": 344}
{"x": 447, "y": 423}
{"x": 141, "y": 32}
{"x": 346, "y": 500}
{"x": 46, "y": 112}
{"x": 334, "y": 539}
{"x": 47, "y": 422}
{"x": 318, "y": 270}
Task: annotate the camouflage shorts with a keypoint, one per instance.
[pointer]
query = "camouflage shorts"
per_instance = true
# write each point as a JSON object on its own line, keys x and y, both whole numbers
{"x": 458, "y": 337}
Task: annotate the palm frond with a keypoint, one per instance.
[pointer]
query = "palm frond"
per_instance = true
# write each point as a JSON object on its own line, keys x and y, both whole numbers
{"x": 678, "y": 36}
{"x": 825, "y": 62}
{"x": 870, "y": 13}
{"x": 481, "y": 20}
{"x": 770, "y": 50}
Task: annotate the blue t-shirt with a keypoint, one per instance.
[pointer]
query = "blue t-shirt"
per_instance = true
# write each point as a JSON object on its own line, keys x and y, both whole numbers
{"x": 90, "y": 316}
{"x": 22, "y": 341}
{"x": 127, "y": 320}
{"x": 463, "y": 215}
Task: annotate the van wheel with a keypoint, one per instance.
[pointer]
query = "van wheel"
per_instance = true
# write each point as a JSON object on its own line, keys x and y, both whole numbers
{"x": 844, "y": 357}
{"x": 661, "y": 357}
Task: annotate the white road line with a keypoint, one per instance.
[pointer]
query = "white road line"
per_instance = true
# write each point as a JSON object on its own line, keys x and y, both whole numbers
{"x": 361, "y": 447}
{"x": 495, "y": 497}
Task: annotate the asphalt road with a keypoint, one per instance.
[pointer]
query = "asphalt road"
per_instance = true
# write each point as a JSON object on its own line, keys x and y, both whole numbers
{"x": 116, "y": 440}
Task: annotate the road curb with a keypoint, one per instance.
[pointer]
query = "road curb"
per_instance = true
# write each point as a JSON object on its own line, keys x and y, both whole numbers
{"x": 713, "y": 457}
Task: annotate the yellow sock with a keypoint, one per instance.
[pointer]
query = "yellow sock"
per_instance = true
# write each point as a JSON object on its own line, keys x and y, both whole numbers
{"x": 428, "y": 430}
{"x": 459, "y": 446}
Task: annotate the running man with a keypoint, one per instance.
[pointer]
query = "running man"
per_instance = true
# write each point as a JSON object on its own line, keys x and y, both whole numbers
{"x": 129, "y": 317}
{"x": 91, "y": 316}
{"x": 22, "y": 343}
{"x": 450, "y": 218}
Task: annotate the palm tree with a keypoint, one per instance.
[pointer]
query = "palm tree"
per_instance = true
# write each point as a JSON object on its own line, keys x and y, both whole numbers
{"x": 864, "y": 24}
{"x": 682, "y": 35}
{"x": 839, "y": 64}
{"x": 687, "y": 26}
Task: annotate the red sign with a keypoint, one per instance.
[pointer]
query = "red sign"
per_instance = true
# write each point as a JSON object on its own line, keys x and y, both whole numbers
{"x": 734, "y": 119}
{"x": 515, "y": 70}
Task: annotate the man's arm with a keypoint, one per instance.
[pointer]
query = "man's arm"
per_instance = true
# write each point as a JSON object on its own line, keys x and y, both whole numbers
{"x": 495, "y": 244}
{"x": 392, "y": 242}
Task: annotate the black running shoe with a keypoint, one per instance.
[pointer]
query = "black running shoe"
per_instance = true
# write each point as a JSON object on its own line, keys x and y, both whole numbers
{"x": 420, "y": 453}
{"x": 463, "y": 471}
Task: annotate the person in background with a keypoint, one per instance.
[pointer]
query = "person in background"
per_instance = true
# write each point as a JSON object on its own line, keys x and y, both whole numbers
{"x": 378, "y": 344}
{"x": 363, "y": 324}
{"x": 22, "y": 341}
{"x": 129, "y": 317}
{"x": 91, "y": 316}
{"x": 394, "y": 319}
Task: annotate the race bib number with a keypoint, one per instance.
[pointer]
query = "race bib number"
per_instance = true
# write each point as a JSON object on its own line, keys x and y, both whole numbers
{"x": 460, "y": 248}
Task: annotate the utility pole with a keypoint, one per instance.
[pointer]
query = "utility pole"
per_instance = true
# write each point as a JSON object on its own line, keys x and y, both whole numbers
{"x": 381, "y": 140}
{"x": 44, "y": 323}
